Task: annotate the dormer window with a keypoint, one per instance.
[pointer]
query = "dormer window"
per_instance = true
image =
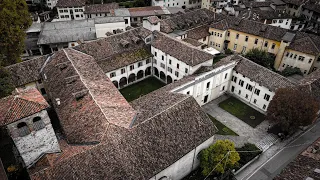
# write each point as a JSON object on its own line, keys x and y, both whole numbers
{"x": 38, "y": 123}
{"x": 23, "y": 129}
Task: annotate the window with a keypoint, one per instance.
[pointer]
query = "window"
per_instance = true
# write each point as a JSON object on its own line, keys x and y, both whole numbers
{"x": 255, "y": 101}
{"x": 76, "y": 10}
{"x": 264, "y": 106}
{"x": 80, "y": 10}
{"x": 301, "y": 58}
{"x": 162, "y": 58}
{"x": 283, "y": 65}
{"x": 280, "y": 21}
{"x": 223, "y": 88}
{"x": 186, "y": 71}
{"x": 249, "y": 87}
{"x": 81, "y": 15}
{"x": 177, "y": 66}
{"x": 228, "y": 33}
{"x": 155, "y": 54}
{"x": 65, "y": 10}
{"x": 257, "y": 91}
{"x": 295, "y": 56}
{"x": 131, "y": 67}
{"x": 310, "y": 60}
{"x": 62, "y": 16}
{"x": 113, "y": 74}
{"x": 266, "y": 97}
{"x": 126, "y": 21}
{"x": 239, "y": 92}
{"x": 266, "y": 44}
{"x": 291, "y": 55}
{"x": 287, "y": 54}
{"x": 243, "y": 50}
{"x": 162, "y": 65}
{"x": 274, "y": 21}
{"x": 235, "y": 47}
{"x": 237, "y": 36}
{"x": 38, "y": 123}
{"x": 305, "y": 72}
{"x": 77, "y": 15}
{"x": 169, "y": 61}
{"x": 273, "y": 46}
{"x": 246, "y": 39}
{"x": 241, "y": 82}
{"x": 43, "y": 91}
{"x": 208, "y": 85}
{"x": 215, "y": 33}
{"x": 234, "y": 79}
{"x": 23, "y": 129}
{"x": 188, "y": 92}
{"x": 205, "y": 38}
{"x": 123, "y": 70}
{"x": 176, "y": 73}
{"x": 147, "y": 61}
{"x": 256, "y": 41}
{"x": 225, "y": 76}
{"x": 66, "y": 16}
{"x": 221, "y": 35}
{"x": 60, "y": 11}
{"x": 247, "y": 96}
{"x": 140, "y": 64}
{"x": 169, "y": 69}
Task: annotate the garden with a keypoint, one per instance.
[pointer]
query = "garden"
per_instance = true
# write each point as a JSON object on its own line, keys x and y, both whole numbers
{"x": 141, "y": 88}
{"x": 222, "y": 129}
{"x": 242, "y": 111}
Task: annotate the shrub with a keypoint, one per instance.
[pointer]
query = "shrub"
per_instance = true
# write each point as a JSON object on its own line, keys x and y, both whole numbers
{"x": 245, "y": 157}
{"x": 228, "y": 51}
{"x": 289, "y": 71}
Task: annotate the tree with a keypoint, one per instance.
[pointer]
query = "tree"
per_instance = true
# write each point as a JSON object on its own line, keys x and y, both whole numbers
{"x": 218, "y": 157}
{"x": 291, "y": 108}
{"x": 14, "y": 21}
{"x": 6, "y": 84}
{"x": 260, "y": 57}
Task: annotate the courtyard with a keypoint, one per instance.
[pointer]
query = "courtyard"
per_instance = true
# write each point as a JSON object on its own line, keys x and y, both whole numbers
{"x": 222, "y": 129}
{"x": 141, "y": 88}
{"x": 242, "y": 111}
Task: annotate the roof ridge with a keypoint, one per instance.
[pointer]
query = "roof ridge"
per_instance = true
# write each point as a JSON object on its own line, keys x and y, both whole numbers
{"x": 244, "y": 58}
{"x": 313, "y": 43}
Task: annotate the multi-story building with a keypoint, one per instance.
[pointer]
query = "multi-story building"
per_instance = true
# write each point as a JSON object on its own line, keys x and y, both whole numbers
{"x": 70, "y": 10}
{"x": 99, "y": 10}
{"x": 184, "y": 4}
{"x": 51, "y": 3}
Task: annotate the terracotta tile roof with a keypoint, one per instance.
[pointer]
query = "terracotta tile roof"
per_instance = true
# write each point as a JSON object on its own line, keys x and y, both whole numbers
{"x": 26, "y": 71}
{"x": 192, "y": 42}
{"x": 221, "y": 25}
{"x": 21, "y": 104}
{"x": 306, "y": 43}
{"x": 189, "y": 20}
{"x": 151, "y": 146}
{"x": 260, "y": 74}
{"x": 311, "y": 83}
{"x": 70, "y": 3}
{"x": 100, "y": 8}
{"x": 312, "y": 5}
{"x": 110, "y": 46}
{"x": 153, "y": 19}
{"x": 198, "y": 32}
{"x": 146, "y": 11}
{"x": 180, "y": 50}
{"x": 89, "y": 101}
{"x": 295, "y": 2}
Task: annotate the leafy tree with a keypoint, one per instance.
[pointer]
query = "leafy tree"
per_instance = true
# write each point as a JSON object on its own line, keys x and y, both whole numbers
{"x": 289, "y": 71}
{"x": 291, "y": 108}
{"x": 14, "y": 21}
{"x": 6, "y": 84}
{"x": 260, "y": 57}
{"x": 220, "y": 156}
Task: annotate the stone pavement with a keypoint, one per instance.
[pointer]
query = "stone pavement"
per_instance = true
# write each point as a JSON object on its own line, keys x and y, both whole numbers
{"x": 253, "y": 135}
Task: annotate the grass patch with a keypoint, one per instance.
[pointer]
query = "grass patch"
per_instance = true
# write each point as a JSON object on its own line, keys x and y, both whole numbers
{"x": 141, "y": 88}
{"x": 223, "y": 130}
{"x": 242, "y": 111}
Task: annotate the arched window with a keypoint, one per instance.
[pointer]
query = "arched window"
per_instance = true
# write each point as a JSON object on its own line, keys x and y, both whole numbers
{"x": 23, "y": 129}
{"x": 38, "y": 123}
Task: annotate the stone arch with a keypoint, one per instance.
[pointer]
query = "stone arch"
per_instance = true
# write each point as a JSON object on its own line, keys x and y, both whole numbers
{"x": 123, "y": 81}
{"x": 23, "y": 129}
{"x": 169, "y": 79}
{"x": 38, "y": 123}
{"x": 155, "y": 71}
{"x": 132, "y": 78}
{"x": 116, "y": 84}
{"x": 147, "y": 72}
{"x": 140, "y": 74}
{"x": 162, "y": 76}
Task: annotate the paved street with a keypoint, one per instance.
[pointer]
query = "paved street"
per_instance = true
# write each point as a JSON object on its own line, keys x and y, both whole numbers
{"x": 277, "y": 162}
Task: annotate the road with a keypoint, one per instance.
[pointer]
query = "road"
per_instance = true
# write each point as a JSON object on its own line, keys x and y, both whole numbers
{"x": 277, "y": 162}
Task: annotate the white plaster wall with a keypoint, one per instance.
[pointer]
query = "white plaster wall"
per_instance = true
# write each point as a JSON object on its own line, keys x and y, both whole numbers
{"x": 216, "y": 39}
{"x": 102, "y": 29}
{"x": 68, "y": 9}
{"x": 151, "y": 27}
{"x": 304, "y": 66}
{"x": 286, "y": 23}
{"x": 51, "y": 3}
{"x": 260, "y": 101}
{"x": 36, "y": 143}
{"x": 184, "y": 165}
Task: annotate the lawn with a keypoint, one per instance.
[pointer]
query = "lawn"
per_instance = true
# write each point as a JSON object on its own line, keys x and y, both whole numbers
{"x": 223, "y": 130}
{"x": 242, "y": 111}
{"x": 141, "y": 88}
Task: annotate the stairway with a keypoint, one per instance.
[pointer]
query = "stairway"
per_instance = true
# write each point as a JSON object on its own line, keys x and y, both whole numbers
{"x": 267, "y": 142}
